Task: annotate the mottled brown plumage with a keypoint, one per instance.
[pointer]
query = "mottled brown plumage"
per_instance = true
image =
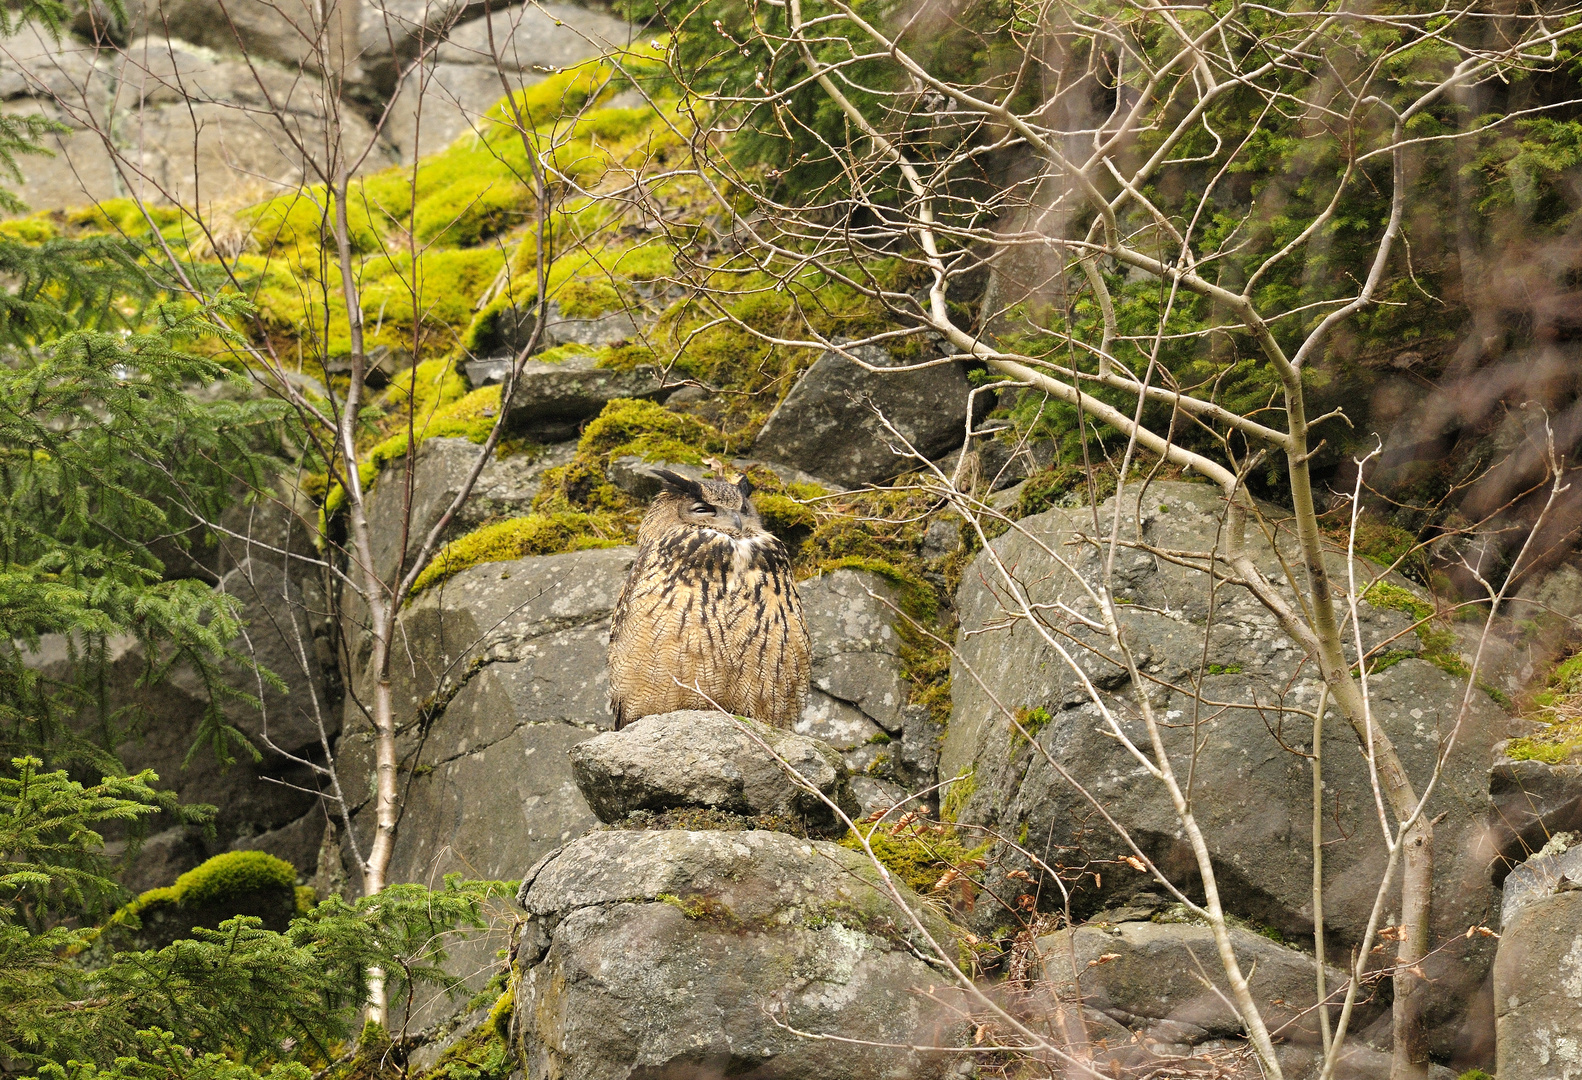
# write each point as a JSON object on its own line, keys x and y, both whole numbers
{"x": 710, "y": 602}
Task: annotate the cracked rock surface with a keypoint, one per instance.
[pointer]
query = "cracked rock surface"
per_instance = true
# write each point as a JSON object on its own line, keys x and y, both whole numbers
{"x": 702, "y": 759}
{"x": 665, "y": 953}
{"x": 1538, "y": 991}
{"x": 1252, "y": 782}
{"x": 502, "y": 672}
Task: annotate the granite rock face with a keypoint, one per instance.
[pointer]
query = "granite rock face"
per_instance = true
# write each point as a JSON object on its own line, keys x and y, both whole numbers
{"x": 190, "y": 123}
{"x": 505, "y": 488}
{"x": 556, "y": 397}
{"x": 1556, "y": 867}
{"x": 1252, "y": 789}
{"x": 858, "y": 697}
{"x": 449, "y": 96}
{"x": 508, "y": 660}
{"x": 1538, "y": 991}
{"x": 1533, "y": 802}
{"x": 827, "y": 424}
{"x": 704, "y": 759}
{"x": 666, "y": 953}
{"x": 1151, "y": 981}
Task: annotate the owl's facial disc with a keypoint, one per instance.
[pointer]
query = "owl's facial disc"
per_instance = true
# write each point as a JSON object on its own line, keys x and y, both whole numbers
{"x": 713, "y": 504}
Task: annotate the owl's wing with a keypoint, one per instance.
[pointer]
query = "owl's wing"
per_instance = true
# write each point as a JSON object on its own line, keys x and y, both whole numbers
{"x": 623, "y": 603}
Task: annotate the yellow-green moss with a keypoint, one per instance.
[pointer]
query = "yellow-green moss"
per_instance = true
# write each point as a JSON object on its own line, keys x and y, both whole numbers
{"x": 517, "y": 538}
{"x": 1559, "y": 708}
{"x": 629, "y": 426}
{"x": 31, "y": 230}
{"x": 957, "y": 795}
{"x": 1390, "y": 546}
{"x": 583, "y": 299}
{"x": 215, "y": 882}
{"x": 472, "y": 208}
{"x": 1440, "y": 645}
{"x": 919, "y": 854}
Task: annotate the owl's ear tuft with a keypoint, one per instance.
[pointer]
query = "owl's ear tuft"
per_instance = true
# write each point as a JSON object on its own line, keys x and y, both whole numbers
{"x": 745, "y": 486}
{"x": 679, "y": 484}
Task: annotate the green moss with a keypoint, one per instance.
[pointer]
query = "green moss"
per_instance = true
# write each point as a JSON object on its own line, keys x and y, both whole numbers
{"x": 221, "y": 881}
{"x": 307, "y": 896}
{"x": 1559, "y": 709}
{"x": 959, "y": 793}
{"x": 1440, "y": 645}
{"x": 472, "y": 208}
{"x": 699, "y": 908}
{"x": 919, "y": 854}
{"x": 1033, "y": 720}
{"x": 500, "y": 1013}
{"x": 1532, "y": 749}
{"x": 517, "y": 538}
{"x": 1049, "y": 488}
{"x": 1382, "y": 594}
{"x": 587, "y": 299}
{"x": 1390, "y": 546}
{"x": 791, "y": 521}
{"x": 630, "y": 426}
{"x": 31, "y": 230}
{"x": 1224, "y": 669}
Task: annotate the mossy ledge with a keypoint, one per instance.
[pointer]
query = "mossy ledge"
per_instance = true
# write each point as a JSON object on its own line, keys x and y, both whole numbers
{"x": 230, "y": 884}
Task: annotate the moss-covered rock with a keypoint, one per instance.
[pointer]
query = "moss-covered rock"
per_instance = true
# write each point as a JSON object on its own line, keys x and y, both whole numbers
{"x": 235, "y": 883}
{"x": 517, "y": 538}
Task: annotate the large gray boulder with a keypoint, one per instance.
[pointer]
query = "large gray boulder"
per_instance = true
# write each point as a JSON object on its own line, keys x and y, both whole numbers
{"x": 505, "y": 488}
{"x": 1149, "y": 976}
{"x": 669, "y": 953}
{"x": 1252, "y": 788}
{"x": 1557, "y": 866}
{"x": 858, "y": 695}
{"x": 265, "y": 804}
{"x": 556, "y": 397}
{"x": 288, "y": 634}
{"x": 827, "y": 424}
{"x": 251, "y": 797}
{"x": 460, "y": 82}
{"x": 704, "y": 759}
{"x": 1533, "y": 801}
{"x": 301, "y": 34}
{"x": 1538, "y": 992}
{"x": 501, "y": 673}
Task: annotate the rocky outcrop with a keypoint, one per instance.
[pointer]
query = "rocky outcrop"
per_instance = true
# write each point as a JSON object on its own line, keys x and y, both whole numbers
{"x": 502, "y": 673}
{"x": 170, "y": 120}
{"x": 1556, "y": 867}
{"x": 1533, "y": 801}
{"x": 1538, "y": 991}
{"x": 505, "y": 488}
{"x": 829, "y": 423}
{"x": 675, "y": 953}
{"x": 254, "y": 799}
{"x": 1252, "y": 786}
{"x": 1150, "y": 977}
{"x": 552, "y": 399}
{"x": 859, "y": 694}
{"x": 705, "y": 759}
{"x": 194, "y": 101}
{"x": 449, "y": 95}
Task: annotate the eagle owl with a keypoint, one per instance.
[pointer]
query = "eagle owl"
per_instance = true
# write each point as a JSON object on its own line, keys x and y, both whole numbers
{"x": 710, "y": 603}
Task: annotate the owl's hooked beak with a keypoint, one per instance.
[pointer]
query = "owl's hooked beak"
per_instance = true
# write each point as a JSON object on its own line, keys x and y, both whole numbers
{"x": 736, "y": 520}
